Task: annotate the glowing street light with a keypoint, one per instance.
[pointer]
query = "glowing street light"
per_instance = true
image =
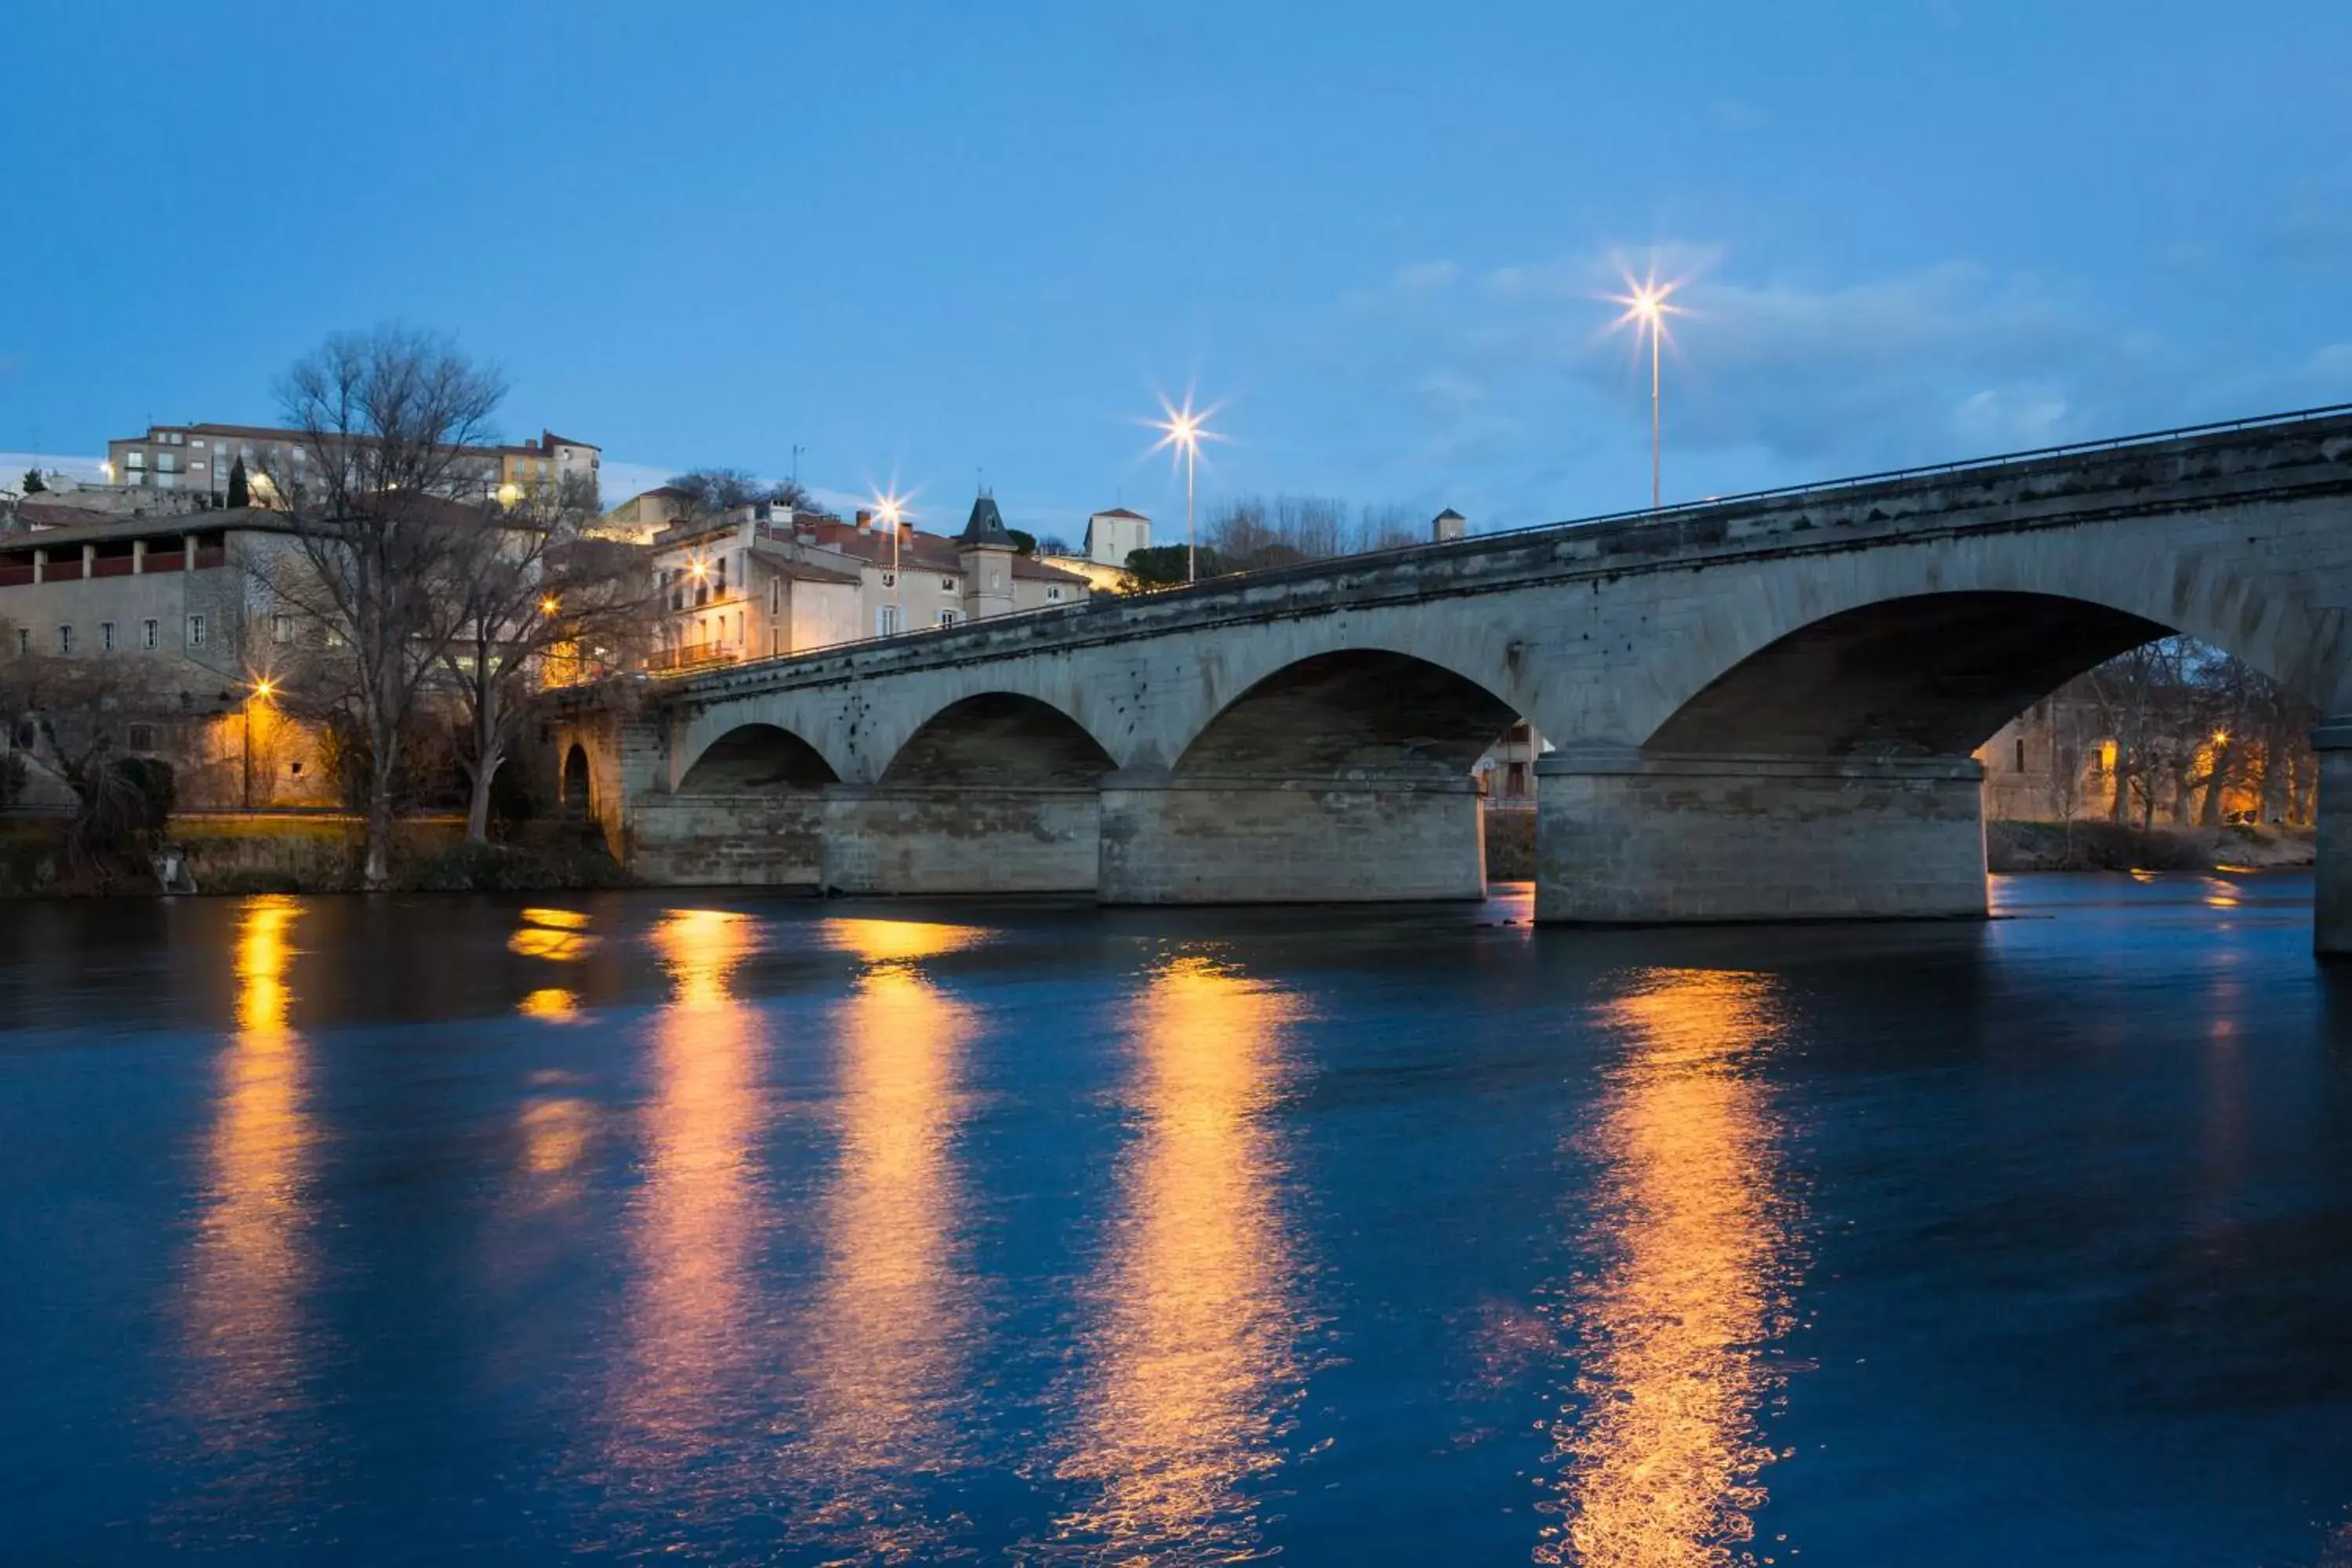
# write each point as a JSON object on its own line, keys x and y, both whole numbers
{"x": 891, "y": 508}
{"x": 1182, "y": 433}
{"x": 262, "y": 687}
{"x": 1646, "y": 311}
{"x": 548, "y": 605}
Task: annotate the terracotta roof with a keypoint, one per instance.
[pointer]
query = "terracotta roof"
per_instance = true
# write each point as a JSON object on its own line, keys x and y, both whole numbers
{"x": 64, "y": 514}
{"x": 251, "y": 519}
{"x": 777, "y": 557}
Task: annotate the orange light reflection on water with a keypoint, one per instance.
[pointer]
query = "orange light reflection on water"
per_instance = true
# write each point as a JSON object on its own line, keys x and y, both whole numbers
{"x": 250, "y": 1265}
{"x": 885, "y": 1346}
{"x": 696, "y": 1220}
{"x": 1662, "y": 1451}
{"x": 1192, "y": 1331}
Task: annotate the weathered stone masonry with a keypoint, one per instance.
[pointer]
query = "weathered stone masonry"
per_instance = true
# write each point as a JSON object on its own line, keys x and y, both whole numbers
{"x": 1763, "y": 706}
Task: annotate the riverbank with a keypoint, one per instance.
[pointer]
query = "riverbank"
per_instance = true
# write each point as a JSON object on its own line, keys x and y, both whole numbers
{"x": 2022, "y": 846}
{"x": 2120, "y": 846}
{"x": 305, "y": 852}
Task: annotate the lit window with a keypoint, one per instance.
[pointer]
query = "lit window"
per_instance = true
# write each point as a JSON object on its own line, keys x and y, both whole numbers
{"x": 196, "y": 631}
{"x": 147, "y": 633}
{"x": 281, "y": 629}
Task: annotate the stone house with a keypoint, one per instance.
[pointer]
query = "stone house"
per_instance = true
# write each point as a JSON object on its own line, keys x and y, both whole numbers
{"x": 160, "y": 631}
{"x": 769, "y": 581}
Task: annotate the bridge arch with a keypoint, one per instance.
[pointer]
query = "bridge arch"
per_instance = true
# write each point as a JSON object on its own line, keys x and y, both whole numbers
{"x": 754, "y": 758}
{"x": 1929, "y": 651}
{"x": 577, "y": 796}
{"x": 998, "y": 740}
{"x": 1352, "y": 712}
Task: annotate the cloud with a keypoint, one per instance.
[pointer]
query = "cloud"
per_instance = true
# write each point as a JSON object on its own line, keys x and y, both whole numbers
{"x": 1790, "y": 374}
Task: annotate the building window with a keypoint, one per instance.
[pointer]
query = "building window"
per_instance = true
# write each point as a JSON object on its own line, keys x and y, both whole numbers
{"x": 1053, "y": 593}
{"x": 885, "y": 621}
{"x": 143, "y": 737}
{"x": 196, "y": 631}
{"x": 281, "y": 629}
{"x": 147, "y": 633}
{"x": 106, "y": 636}
{"x": 775, "y": 596}
{"x": 889, "y": 579}
{"x": 947, "y": 585}
{"x": 135, "y": 460}
{"x": 2020, "y": 754}
{"x": 24, "y": 639}
{"x": 949, "y": 617}
{"x": 64, "y": 639}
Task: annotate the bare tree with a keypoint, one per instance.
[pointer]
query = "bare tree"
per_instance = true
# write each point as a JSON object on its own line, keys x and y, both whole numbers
{"x": 538, "y": 601}
{"x": 382, "y": 497}
{"x": 718, "y": 490}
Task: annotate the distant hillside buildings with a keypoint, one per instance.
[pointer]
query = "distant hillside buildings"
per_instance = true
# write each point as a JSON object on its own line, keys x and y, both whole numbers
{"x": 201, "y": 457}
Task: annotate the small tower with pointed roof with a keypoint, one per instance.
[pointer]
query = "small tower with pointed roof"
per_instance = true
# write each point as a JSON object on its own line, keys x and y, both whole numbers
{"x": 1448, "y": 524}
{"x": 985, "y": 550}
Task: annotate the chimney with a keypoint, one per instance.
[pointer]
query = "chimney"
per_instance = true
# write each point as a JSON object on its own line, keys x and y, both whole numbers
{"x": 864, "y": 521}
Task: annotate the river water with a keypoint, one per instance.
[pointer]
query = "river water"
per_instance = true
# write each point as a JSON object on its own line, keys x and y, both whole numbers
{"x": 719, "y": 1229}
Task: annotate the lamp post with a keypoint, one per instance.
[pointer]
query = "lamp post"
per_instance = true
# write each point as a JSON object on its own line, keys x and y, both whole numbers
{"x": 1182, "y": 433}
{"x": 1646, "y": 310}
{"x": 890, "y": 509}
{"x": 261, "y": 689}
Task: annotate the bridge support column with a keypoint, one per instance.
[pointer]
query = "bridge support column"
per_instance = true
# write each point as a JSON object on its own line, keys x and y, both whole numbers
{"x": 1624, "y": 838}
{"x": 2331, "y": 878}
{"x": 1275, "y": 841}
{"x": 764, "y": 838}
{"x": 889, "y": 838}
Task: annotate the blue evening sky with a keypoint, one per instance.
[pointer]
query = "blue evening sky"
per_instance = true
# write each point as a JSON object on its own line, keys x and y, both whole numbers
{"x": 933, "y": 239}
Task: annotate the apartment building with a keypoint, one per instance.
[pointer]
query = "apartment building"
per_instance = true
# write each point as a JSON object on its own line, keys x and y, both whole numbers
{"x": 770, "y": 581}
{"x": 200, "y": 457}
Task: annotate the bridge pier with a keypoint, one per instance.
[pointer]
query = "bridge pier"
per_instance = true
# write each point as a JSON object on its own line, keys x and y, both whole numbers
{"x": 1627, "y": 837}
{"x": 2331, "y": 876}
{"x": 896, "y": 838}
{"x": 1167, "y": 841}
{"x": 765, "y": 838}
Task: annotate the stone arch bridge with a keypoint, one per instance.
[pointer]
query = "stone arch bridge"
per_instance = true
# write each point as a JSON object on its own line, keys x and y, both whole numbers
{"x": 1763, "y": 706}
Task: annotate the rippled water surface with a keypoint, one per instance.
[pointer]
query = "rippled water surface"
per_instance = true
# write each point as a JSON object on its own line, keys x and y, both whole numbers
{"x": 721, "y": 1229}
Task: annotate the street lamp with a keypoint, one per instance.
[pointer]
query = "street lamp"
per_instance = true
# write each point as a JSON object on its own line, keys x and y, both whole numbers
{"x": 1646, "y": 311}
{"x": 892, "y": 510}
{"x": 1182, "y": 433}
{"x": 261, "y": 689}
